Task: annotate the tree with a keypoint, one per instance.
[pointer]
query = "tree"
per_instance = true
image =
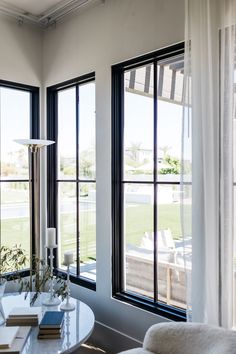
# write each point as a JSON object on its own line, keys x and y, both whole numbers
{"x": 86, "y": 163}
{"x": 164, "y": 149}
{"x": 173, "y": 166}
{"x": 134, "y": 151}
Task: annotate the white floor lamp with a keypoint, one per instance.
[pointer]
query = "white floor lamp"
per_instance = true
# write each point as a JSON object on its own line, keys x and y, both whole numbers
{"x": 34, "y": 146}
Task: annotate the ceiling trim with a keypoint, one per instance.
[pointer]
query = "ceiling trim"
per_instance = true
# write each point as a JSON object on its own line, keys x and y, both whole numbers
{"x": 50, "y": 17}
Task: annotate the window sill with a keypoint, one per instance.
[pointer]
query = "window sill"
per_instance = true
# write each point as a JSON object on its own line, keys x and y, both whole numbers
{"x": 170, "y": 312}
{"x": 85, "y": 282}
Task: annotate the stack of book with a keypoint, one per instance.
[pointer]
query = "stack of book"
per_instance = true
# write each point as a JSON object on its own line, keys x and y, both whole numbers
{"x": 51, "y": 326}
{"x": 12, "y": 339}
{"x": 24, "y": 316}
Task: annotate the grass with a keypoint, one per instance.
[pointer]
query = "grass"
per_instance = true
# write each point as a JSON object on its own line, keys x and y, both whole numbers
{"x": 87, "y": 234}
{"x": 16, "y": 231}
{"x": 139, "y": 219}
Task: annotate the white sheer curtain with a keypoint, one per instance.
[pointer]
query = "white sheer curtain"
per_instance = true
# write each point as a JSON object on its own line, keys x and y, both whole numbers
{"x": 209, "y": 62}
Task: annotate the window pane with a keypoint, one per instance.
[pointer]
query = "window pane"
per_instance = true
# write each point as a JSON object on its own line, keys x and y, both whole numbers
{"x": 138, "y": 124}
{"x": 87, "y": 223}
{"x": 170, "y": 109}
{"x": 138, "y": 231}
{"x": 67, "y": 134}
{"x": 171, "y": 268}
{"x": 15, "y": 124}
{"x": 67, "y": 221}
{"x": 87, "y": 131}
{"x": 15, "y": 222}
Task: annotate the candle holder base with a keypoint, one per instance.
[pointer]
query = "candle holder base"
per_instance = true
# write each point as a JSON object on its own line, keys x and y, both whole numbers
{"x": 67, "y": 307}
{"x": 55, "y": 301}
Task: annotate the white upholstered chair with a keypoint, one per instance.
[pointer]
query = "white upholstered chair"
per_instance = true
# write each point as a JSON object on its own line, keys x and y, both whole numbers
{"x": 186, "y": 338}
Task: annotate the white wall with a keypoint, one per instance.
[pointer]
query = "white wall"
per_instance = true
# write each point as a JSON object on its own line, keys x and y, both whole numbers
{"x": 20, "y": 52}
{"x": 93, "y": 41}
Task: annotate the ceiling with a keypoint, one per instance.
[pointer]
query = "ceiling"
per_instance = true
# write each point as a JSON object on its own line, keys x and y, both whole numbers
{"x": 42, "y": 12}
{"x": 34, "y": 7}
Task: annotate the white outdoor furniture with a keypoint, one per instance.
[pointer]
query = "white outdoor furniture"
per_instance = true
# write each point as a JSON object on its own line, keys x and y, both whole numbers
{"x": 186, "y": 338}
{"x": 171, "y": 268}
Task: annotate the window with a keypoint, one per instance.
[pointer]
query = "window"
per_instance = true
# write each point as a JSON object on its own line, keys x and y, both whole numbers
{"x": 148, "y": 268}
{"x": 72, "y": 174}
{"x": 19, "y": 119}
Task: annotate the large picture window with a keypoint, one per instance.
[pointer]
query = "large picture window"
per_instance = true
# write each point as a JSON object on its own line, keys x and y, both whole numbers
{"x": 72, "y": 174}
{"x": 148, "y": 265}
{"x": 19, "y": 119}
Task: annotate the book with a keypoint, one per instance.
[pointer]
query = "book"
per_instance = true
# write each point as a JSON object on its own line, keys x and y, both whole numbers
{"x": 24, "y": 316}
{"x": 49, "y": 336}
{"x": 19, "y": 341}
{"x": 26, "y": 321}
{"x": 20, "y": 319}
{"x": 50, "y": 331}
{"x": 7, "y": 335}
{"x": 52, "y": 319}
{"x": 25, "y": 312}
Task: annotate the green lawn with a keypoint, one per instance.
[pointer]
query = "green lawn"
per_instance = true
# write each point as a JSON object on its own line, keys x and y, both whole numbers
{"x": 87, "y": 234}
{"x": 139, "y": 219}
{"x": 16, "y": 231}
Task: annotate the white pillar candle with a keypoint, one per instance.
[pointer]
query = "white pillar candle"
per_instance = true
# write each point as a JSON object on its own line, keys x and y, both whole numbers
{"x": 68, "y": 258}
{"x": 51, "y": 237}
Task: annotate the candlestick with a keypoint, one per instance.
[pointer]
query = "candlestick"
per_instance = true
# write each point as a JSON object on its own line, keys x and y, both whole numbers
{"x": 52, "y": 300}
{"x": 67, "y": 306}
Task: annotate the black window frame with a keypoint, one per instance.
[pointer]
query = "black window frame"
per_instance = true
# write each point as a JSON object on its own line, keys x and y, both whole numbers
{"x": 34, "y": 92}
{"x": 117, "y": 102}
{"x": 52, "y": 157}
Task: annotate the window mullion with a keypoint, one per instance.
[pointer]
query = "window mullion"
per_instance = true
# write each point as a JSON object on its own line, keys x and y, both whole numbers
{"x": 77, "y": 184}
{"x": 155, "y": 226}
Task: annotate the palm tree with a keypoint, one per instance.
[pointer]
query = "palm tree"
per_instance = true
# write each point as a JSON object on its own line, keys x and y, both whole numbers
{"x": 134, "y": 150}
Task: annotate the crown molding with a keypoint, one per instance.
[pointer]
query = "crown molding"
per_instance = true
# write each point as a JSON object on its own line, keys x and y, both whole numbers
{"x": 49, "y": 18}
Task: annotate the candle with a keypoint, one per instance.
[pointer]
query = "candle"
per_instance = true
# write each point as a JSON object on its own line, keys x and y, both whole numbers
{"x": 51, "y": 237}
{"x": 68, "y": 258}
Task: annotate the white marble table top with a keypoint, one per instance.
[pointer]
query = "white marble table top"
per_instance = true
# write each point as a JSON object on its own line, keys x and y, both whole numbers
{"x": 78, "y": 325}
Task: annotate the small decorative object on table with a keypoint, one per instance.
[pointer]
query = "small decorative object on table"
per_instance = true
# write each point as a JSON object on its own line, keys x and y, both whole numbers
{"x": 52, "y": 300}
{"x": 68, "y": 260}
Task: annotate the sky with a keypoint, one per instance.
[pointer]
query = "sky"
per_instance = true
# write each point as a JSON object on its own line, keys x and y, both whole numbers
{"x": 14, "y": 115}
{"x": 139, "y": 123}
{"x": 138, "y": 120}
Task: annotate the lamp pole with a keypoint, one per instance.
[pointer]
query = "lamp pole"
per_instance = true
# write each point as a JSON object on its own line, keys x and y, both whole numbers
{"x": 34, "y": 146}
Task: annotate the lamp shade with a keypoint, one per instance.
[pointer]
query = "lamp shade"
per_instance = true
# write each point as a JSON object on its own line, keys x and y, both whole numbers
{"x": 34, "y": 142}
